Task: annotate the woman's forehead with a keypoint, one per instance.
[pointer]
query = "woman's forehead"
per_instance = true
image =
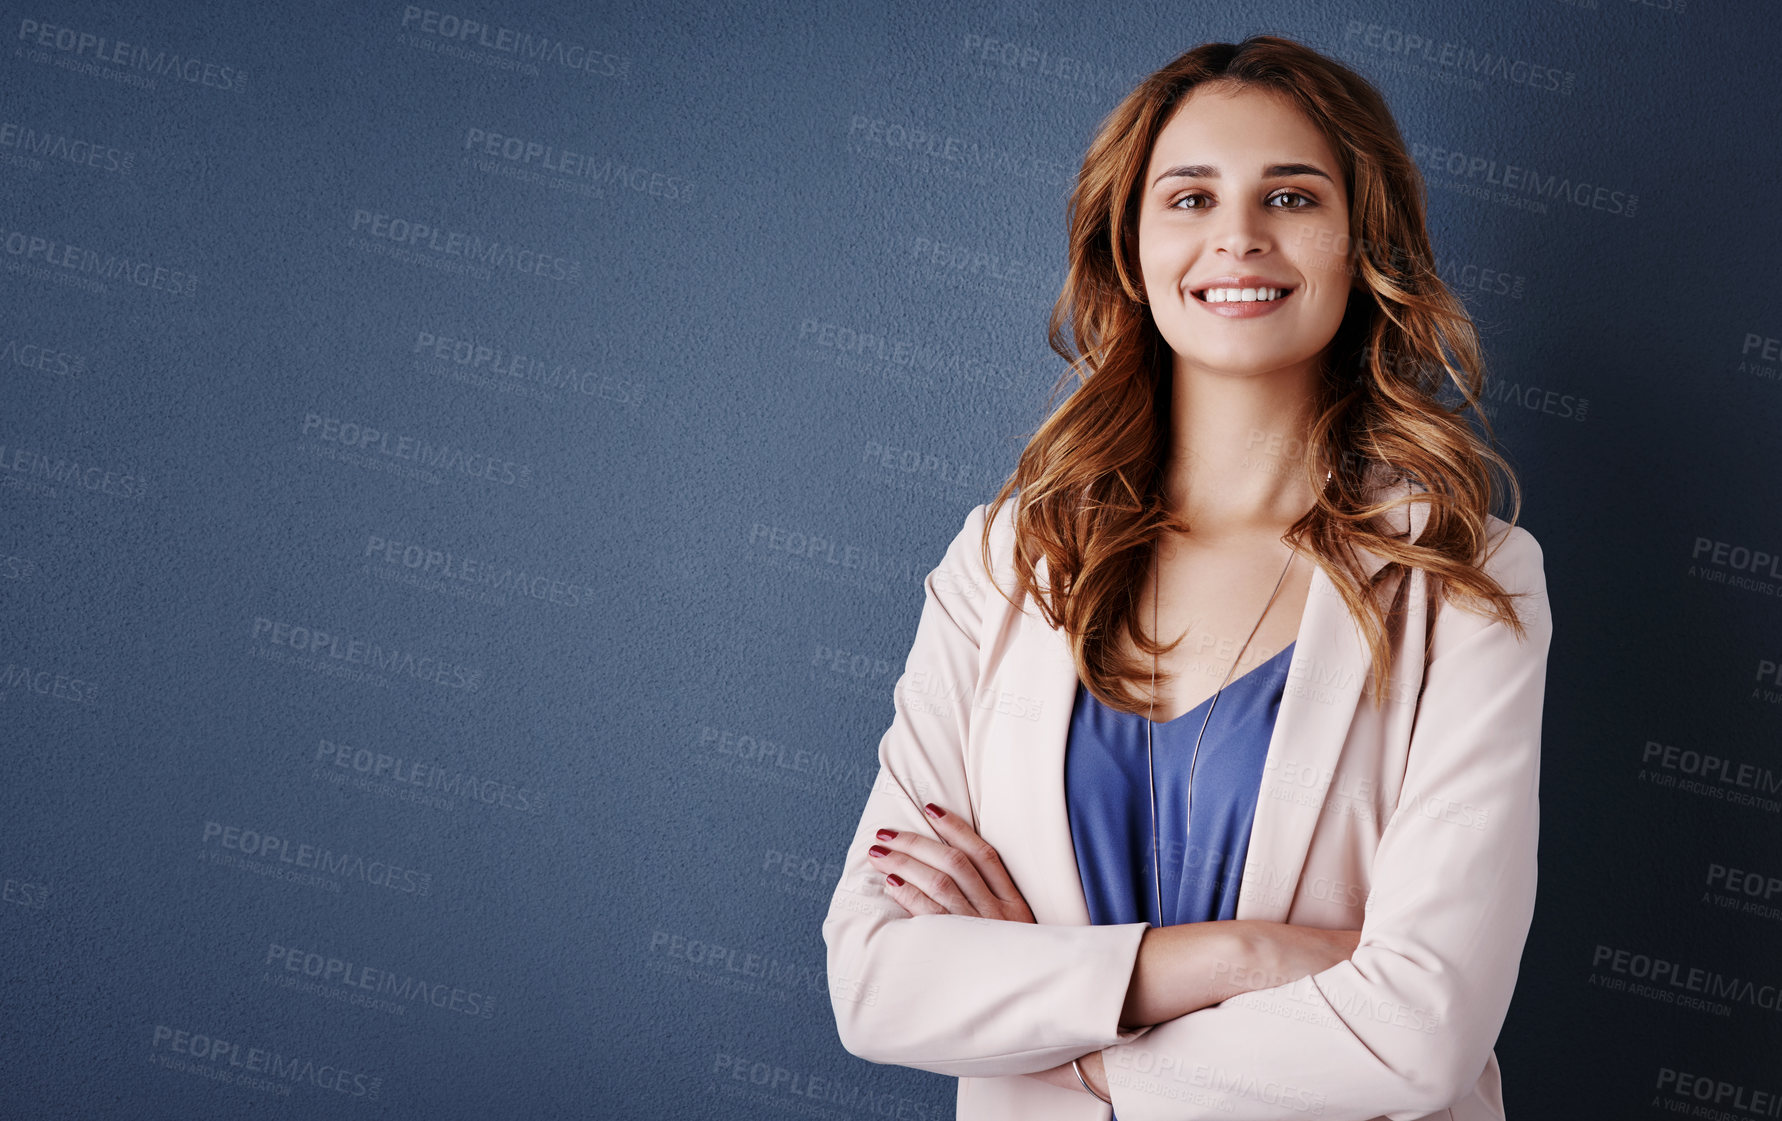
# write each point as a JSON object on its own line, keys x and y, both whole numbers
{"x": 1224, "y": 129}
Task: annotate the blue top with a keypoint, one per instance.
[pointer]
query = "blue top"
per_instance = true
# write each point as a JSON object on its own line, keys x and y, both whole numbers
{"x": 1108, "y": 793}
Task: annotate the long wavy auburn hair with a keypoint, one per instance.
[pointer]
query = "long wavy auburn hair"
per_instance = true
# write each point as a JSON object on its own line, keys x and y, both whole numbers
{"x": 1088, "y": 487}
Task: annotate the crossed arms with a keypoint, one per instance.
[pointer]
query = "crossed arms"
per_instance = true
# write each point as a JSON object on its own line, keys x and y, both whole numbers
{"x": 1402, "y": 1027}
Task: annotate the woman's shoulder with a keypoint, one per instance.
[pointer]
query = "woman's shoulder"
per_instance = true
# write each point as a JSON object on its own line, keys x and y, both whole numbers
{"x": 1508, "y": 554}
{"x": 963, "y": 570}
{"x": 1511, "y": 547}
{"x": 966, "y": 545}
{"x": 1506, "y": 550}
{"x": 1511, "y": 556}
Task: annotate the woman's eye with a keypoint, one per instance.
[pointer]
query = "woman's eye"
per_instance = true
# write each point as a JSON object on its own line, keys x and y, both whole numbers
{"x": 1201, "y": 202}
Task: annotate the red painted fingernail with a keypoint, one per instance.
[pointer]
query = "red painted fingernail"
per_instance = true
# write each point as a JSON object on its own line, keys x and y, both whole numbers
{"x": 894, "y": 879}
{"x": 934, "y": 810}
{"x": 887, "y": 834}
{"x": 878, "y": 850}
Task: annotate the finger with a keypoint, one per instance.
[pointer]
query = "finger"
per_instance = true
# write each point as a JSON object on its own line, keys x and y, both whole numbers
{"x": 910, "y": 897}
{"x": 935, "y": 885}
{"x": 956, "y": 830}
{"x": 945, "y": 874}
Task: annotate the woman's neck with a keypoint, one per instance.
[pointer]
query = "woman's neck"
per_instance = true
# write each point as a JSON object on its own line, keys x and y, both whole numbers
{"x": 1237, "y": 449}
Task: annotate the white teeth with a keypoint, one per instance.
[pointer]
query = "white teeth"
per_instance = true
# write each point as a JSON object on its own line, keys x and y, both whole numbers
{"x": 1242, "y": 295}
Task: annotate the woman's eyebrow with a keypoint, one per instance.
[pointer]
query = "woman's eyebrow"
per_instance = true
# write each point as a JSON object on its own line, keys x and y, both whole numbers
{"x": 1208, "y": 171}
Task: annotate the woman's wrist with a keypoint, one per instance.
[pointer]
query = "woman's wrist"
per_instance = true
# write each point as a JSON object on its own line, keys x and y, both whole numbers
{"x": 1092, "y": 1072}
{"x": 1255, "y": 960}
{"x": 1091, "y": 1084}
{"x": 1064, "y": 1075}
{"x": 1186, "y": 967}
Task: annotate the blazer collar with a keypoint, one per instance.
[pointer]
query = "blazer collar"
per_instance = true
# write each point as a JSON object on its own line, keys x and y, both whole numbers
{"x": 1325, "y": 679}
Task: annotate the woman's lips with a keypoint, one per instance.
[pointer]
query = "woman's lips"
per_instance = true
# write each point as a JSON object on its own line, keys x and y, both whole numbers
{"x": 1246, "y": 309}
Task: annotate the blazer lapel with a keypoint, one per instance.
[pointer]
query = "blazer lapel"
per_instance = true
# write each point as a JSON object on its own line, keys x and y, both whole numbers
{"x": 1325, "y": 679}
{"x": 1324, "y": 683}
{"x": 1052, "y": 885}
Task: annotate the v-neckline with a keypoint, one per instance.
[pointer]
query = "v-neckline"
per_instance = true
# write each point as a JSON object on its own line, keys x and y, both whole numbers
{"x": 1233, "y": 684}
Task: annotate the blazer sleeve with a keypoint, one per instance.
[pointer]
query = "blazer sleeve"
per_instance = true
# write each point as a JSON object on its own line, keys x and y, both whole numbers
{"x": 958, "y": 994}
{"x": 1406, "y": 1026}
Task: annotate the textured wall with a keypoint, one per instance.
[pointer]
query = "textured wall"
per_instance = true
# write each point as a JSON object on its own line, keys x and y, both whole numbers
{"x": 463, "y": 510}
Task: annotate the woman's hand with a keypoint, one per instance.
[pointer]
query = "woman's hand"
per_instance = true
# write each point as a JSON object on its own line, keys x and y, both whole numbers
{"x": 962, "y": 876}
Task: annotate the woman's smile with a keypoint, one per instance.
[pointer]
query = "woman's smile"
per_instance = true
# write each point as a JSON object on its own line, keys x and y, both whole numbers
{"x": 1242, "y": 299}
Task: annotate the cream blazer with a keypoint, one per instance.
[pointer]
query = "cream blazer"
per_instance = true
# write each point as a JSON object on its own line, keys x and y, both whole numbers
{"x": 1414, "y": 822}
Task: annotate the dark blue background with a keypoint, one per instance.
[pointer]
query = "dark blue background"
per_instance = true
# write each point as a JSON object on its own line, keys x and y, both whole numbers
{"x": 727, "y": 511}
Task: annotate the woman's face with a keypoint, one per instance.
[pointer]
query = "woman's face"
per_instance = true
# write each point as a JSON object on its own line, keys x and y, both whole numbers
{"x": 1242, "y": 192}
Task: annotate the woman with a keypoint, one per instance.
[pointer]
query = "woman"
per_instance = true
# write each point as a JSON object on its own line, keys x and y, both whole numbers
{"x": 1212, "y": 784}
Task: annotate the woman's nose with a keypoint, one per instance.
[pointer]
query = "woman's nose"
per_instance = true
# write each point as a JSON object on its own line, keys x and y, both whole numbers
{"x": 1241, "y": 231}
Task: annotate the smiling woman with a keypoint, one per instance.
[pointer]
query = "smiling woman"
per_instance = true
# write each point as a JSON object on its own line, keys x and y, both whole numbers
{"x": 1312, "y": 898}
